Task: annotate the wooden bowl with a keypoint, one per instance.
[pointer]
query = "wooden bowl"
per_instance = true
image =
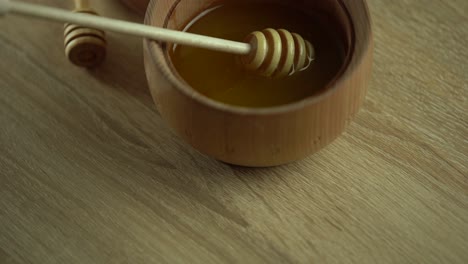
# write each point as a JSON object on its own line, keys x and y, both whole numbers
{"x": 267, "y": 136}
{"x": 137, "y": 5}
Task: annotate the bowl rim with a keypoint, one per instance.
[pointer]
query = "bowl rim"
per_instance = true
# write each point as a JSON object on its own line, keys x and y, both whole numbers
{"x": 338, "y": 82}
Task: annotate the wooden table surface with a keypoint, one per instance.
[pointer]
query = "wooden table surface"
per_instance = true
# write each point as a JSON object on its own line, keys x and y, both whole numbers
{"x": 89, "y": 173}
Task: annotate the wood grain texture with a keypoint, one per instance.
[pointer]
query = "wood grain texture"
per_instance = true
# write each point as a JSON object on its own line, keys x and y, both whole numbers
{"x": 89, "y": 173}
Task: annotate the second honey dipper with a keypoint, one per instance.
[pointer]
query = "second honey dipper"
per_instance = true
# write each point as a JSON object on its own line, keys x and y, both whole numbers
{"x": 84, "y": 46}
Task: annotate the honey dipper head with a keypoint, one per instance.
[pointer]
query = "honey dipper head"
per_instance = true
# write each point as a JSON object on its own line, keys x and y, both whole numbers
{"x": 84, "y": 47}
{"x": 277, "y": 53}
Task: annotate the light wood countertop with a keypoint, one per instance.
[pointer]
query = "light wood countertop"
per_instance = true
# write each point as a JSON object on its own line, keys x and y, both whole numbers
{"x": 89, "y": 173}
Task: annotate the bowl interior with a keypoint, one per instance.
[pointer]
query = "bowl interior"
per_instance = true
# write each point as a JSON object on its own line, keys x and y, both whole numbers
{"x": 175, "y": 14}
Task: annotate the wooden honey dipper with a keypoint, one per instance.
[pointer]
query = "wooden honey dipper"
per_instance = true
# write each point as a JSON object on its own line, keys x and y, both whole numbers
{"x": 85, "y": 47}
{"x": 270, "y": 53}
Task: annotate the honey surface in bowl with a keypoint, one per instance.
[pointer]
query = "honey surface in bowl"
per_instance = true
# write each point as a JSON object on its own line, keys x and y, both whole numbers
{"x": 221, "y": 77}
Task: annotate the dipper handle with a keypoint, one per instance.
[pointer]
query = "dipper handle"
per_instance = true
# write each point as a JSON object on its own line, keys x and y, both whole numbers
{"x": 270, "y": 53}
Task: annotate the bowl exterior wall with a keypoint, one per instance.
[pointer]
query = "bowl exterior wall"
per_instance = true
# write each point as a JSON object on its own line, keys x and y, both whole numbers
{"x": 260, "y": 138}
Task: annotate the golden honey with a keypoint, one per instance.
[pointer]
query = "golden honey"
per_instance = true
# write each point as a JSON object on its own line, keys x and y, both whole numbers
{"x": 221, "y": 77}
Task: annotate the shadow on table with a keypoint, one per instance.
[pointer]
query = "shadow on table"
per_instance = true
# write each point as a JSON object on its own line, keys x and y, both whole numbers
{"x": 123, "y": 68}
